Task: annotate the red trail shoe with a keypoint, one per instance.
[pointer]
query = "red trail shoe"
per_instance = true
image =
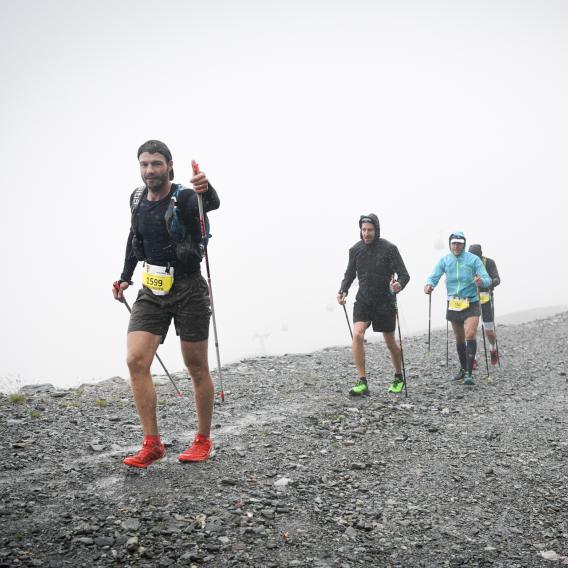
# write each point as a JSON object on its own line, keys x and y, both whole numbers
{"x": 149, "y": 453}
{"x": 201, "y": 450}
{"x": 494, "y": 357}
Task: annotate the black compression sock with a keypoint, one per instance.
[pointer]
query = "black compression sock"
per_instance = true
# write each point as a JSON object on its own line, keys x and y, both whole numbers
{"x": 461, "y": 354}
{"x": 471, "y": 349}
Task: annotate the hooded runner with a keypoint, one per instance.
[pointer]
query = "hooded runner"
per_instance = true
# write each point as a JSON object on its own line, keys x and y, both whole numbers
{"x": 381, "y": 273}
{"x": 465, "y": 273}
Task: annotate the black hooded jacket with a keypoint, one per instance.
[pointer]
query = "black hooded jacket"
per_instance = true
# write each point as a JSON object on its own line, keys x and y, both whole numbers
{"x": 374, "y": 265}
{"x": 490, "y": 266}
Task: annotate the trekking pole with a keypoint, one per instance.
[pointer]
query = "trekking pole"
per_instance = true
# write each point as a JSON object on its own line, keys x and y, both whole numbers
{"x": 401, "y": 351}
{"x": 483, "y": 334}
{"x": 178, "y": 392}
{"x": 485, "y": 347}
{"x": 195, "y": 167}
{"x": 347, "y": 318}
{"x": 447, "y": 343}
{"x": 429, "y": 319}
{"x": 495, "y": 329}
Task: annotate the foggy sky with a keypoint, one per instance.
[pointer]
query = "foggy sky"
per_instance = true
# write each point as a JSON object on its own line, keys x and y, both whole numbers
{"x": 436, "y": 116}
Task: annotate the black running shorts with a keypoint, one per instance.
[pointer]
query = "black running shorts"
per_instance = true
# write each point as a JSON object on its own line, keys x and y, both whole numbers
{"x": 382, "y": 316}
{"x": 487, "y": 312}
{"x": 472, "y": 311}
{"x": 187, "y": 303}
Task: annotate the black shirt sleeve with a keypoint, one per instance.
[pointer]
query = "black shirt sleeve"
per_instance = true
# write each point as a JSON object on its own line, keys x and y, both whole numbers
{"x": 350, "y": 273}
{"x": 189, "y": 207}
{"x": 491, "y": 268}
{"x": 130, "y": 261}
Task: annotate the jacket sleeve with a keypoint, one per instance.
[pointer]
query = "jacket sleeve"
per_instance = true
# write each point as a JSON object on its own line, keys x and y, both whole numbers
{"x": 480, "y": 270}
{"x": 350, "y": 273}
{"x": 130, "y": 261}
{"x": 437, "y": 273}
{"x": 397, "y": 265}
{"x": 493, "y": 273}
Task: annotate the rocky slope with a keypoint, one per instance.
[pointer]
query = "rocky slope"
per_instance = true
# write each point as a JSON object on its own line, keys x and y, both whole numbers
{"x": 304, "y": 475}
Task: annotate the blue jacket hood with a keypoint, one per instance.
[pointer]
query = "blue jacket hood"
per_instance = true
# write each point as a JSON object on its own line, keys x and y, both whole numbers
{"x": 459, "y": 235}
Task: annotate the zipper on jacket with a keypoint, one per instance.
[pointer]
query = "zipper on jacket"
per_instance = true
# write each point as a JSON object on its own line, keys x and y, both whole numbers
{"x": 458, "y": 276}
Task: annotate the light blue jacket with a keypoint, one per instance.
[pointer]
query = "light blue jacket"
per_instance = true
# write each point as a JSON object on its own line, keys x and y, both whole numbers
{"x": 460, "y": 272}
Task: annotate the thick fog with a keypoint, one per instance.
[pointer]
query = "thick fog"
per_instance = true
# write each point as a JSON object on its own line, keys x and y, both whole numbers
{"x": 436, "y": 116}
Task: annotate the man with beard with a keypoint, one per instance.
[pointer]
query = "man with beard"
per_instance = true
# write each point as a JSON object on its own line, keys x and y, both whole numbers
{"x": 172, "y": 288}
{"x": 381, "y": 273}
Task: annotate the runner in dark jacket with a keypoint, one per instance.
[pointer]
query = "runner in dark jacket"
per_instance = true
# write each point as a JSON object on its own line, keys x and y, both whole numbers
{"x": 487, "y": 301}
{"x": 381, "y": 273}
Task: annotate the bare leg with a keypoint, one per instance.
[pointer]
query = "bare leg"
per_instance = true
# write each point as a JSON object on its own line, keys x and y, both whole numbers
{"x": 141, "y": 348}
{"x": 195, "y": 358}
{"x": 490, "y": 336}
{"x": 470, "y": 328}
{"x": 394, "y": 350}
{"x": 358, "y": 346}
{"x": 459, "y": 331}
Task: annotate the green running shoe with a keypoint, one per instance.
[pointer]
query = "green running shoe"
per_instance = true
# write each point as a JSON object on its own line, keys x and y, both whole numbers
{"x": 397, "y": 385}
{"x": 360, "y": 389}
{"x": 459, "y": 376}
{"x": 468, "y": 380}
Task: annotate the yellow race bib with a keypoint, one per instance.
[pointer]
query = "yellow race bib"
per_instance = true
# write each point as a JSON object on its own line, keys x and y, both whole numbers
{"x": 159, "y": 279}
{"x": 484, "y": 297}
{"x": 458, "y": 304}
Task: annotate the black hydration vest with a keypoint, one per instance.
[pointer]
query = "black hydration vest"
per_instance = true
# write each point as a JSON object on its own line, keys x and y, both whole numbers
{"x": 187, "y": 249}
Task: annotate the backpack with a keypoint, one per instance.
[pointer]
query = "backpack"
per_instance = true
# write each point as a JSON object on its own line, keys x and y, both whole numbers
{"x": 187, "y": 249}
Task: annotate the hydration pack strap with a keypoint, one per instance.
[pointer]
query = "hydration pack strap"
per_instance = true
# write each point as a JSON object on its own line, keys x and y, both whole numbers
{"x": 136, "y": 197}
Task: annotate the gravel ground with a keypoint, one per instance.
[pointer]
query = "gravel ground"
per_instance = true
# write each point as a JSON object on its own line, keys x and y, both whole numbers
{"x": 304, "y": 475}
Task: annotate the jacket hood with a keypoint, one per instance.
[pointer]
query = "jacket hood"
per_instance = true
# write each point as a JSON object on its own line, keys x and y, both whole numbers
{"x": 459, "y": 235}
{"x": 476, "y": 250}
{"x": 370, "y": 218}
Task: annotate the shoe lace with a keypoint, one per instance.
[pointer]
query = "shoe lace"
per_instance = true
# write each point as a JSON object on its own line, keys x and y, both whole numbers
{"x": 147, "y": 450}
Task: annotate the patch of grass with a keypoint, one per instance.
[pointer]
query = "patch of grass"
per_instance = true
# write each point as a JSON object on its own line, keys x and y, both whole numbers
{"x": 338, "y": 418}
{"x": 17, "y": 398}
{"x": 101, "y": 402}
{"x": 162, "y": 402}
{"x": 35, "y": 414}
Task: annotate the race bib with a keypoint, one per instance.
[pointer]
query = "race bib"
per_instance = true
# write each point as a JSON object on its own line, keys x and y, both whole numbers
{"x": 159, "y": 279}
{"x": 484, "y": 297}
{"x": 458, "y": 304}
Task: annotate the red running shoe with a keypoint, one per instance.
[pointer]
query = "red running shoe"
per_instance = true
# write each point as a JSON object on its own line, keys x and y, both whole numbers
{"x": 149, "y": 453}
{"x": 494, "y": 357}
{"x": 201, "y": 450}
{"x": 474, "y": 366}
